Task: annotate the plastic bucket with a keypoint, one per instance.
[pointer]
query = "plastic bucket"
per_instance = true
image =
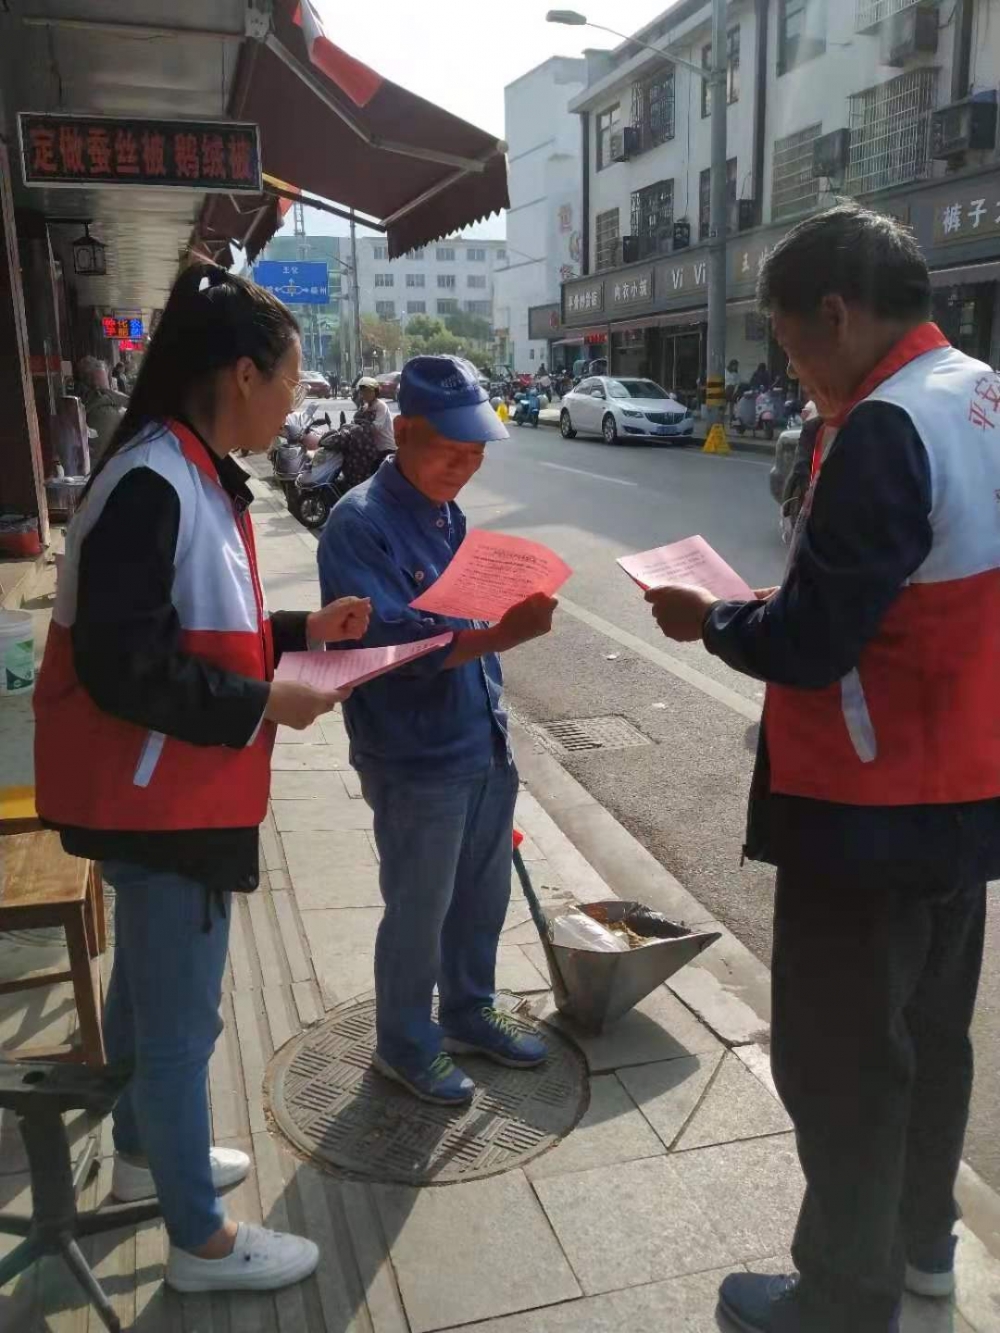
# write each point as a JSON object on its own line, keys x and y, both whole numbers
{"x": 17, "y": 652}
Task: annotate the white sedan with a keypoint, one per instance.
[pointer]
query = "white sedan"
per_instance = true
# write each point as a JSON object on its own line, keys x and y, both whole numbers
{"x": 616, "y": 407}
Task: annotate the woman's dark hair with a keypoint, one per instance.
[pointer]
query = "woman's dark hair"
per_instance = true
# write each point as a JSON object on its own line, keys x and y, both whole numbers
{"x": 211, "y": 320}
{"x": 865, "y": 258}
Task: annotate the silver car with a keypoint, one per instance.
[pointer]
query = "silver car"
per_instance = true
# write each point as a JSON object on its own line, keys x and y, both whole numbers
{"x": 617, "y": 407}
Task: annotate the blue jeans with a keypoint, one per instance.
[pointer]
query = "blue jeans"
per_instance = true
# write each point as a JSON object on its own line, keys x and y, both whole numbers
{"x": 445, "y": 851}
{"x": 162, "y": 1013}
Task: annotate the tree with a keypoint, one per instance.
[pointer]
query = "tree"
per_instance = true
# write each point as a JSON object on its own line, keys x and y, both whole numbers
{"x": 423, "y": 327}
{"x": 380, "y": 337}
{"x": 426, "y": 335}
{"x": 471, "y": 328}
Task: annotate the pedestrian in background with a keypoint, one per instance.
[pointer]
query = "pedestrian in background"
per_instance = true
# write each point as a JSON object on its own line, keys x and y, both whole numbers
{"x": 877, "y": 790}
{"x": 430, "y": 743}
{"x": 155, "y": 713}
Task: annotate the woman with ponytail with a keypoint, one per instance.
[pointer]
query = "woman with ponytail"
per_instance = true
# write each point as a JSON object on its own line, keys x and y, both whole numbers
{"x": 155, "y": 716}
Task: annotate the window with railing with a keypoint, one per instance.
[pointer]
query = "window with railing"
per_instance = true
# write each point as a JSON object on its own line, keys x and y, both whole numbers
{"x": 385, "y": 279}
{"x": 654, "y": 108}
{"x": 607, "y": 125}
{"x": 415, "y": 279}
{"x": 705, "y": 199}
{"x": 606, "y": 238}
{"x": 653, "y": 218}
{"x": 890, "y": 129}
{"x": 795, "y": 189}
{"x": 801, "y": 32}
{"x": 385, "y": 309}
{"x": 870, "y": 13}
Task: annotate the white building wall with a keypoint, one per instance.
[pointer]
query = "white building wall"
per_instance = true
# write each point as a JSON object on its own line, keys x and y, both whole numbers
{"x": 682, "y": 158}
{"x": 545, "y": 179}
{"x": 373, "y": 265}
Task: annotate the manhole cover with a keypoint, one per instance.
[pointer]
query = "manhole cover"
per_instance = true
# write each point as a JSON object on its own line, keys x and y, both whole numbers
{"x": 333, "y": 1107}
{"x": 590, "y": 733}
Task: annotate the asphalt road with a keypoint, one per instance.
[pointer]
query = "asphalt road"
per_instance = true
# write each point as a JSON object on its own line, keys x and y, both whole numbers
{"x": 683, "y": 794}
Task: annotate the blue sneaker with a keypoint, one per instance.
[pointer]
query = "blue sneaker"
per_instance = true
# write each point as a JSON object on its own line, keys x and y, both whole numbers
{"x": 930, "y": 1269}
{"x": 442, "y": 1083}
{"x": 760, "y": 1303}
{"x": 500, "y": 1038}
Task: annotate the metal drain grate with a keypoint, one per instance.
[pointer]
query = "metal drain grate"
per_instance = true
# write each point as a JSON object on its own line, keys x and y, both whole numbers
{"x": 576, "y": 734}
{"x": 326, "y": 1099}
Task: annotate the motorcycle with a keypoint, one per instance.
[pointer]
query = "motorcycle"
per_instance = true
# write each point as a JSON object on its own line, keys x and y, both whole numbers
{"x": 345, "y": 458}
{"x": 764, "y": 412}
{"x": 299, "y": 437}
{"x": 527, "y": 409}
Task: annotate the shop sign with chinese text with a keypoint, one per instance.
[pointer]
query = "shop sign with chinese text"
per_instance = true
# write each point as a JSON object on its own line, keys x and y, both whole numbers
{"x": 632, "y": 288}
{"x": 122, "y": 326}
{"x": 587, "y": 299}
{"x": 968, "y": 215}
{"x": 67, "y": 150}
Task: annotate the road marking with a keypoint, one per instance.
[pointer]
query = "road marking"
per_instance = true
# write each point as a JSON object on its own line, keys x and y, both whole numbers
{"x": 594, "y": 476}
{"x": 690, "y": 675}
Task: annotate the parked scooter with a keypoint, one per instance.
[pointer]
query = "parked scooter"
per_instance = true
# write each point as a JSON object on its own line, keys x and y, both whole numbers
{"x": 764, "y": 412}
{"x": 345, "y": 458}
{"x": 300, "y": 436}
{"x": 527, "y": 409}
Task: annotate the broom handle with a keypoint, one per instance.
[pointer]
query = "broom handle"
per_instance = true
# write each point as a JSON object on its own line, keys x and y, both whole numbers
{"x": 534, "y": 906}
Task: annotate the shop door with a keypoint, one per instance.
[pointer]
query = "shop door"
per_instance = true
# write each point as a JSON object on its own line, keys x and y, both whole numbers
{"x": 687, "y": 366}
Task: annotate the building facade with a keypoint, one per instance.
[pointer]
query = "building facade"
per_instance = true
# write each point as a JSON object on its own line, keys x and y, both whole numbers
{"x": 893, "y": 102}
{"x": 450, "y": 277}
{"x": 544, "y": 221}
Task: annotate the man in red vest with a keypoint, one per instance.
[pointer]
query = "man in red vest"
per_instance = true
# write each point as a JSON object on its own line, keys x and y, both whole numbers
{"x": 877, "y": 790}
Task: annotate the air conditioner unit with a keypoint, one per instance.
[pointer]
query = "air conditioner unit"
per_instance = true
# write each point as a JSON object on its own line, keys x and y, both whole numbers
{"x": 831, "y": 153}
{"x": 912, "y": 32}
{"x": 631, "y": 250}
{"x": 682, "y": 234}
{"x": 624, "y": 144}
{"x": 747, "y": 214}
{"x": 964, "y": 127}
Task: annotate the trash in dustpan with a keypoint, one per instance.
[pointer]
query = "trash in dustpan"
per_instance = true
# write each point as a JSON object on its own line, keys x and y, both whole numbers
{"x": 605, "y": 957}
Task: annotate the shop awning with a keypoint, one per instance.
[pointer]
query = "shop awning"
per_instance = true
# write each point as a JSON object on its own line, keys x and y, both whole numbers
{"x": 966, "y": 275}
{"x": 334, "y": 128}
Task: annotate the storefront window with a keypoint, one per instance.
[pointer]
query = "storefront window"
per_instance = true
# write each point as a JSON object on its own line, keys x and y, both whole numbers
{"x": 965, "y": 316}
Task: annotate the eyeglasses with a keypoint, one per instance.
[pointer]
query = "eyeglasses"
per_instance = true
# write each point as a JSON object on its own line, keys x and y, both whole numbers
{"x": 300, "y": 391}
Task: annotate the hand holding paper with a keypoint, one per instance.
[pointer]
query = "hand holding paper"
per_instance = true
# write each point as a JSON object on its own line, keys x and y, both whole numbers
{"x": 691, "y": 562}
{"x": 492, "y": 572}
{"x": 345, "y": 668}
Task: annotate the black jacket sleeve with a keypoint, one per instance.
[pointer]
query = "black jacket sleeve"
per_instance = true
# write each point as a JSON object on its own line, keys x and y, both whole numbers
{"x": 126, "y": 637}
{"x": 289, "y": 632}
{"x": 869, "y": 529}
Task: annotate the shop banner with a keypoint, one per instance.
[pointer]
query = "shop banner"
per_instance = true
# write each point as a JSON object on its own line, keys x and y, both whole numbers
{"x": 206, "y": 155}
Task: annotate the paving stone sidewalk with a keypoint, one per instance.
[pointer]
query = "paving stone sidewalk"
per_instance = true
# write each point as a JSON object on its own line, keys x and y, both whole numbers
{"x": 682, "y": 1168}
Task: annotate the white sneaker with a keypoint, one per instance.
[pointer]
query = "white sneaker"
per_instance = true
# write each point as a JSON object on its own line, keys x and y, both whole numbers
{"x": 131, "y": 1183}
{"x": 261, "y": 1260}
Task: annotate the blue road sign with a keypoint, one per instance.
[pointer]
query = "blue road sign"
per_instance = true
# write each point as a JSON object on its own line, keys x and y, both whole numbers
{"x": 297, "y": 281}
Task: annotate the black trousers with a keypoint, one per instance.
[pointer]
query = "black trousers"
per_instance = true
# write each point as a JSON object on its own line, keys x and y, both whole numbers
{"x": 874, "y": 985}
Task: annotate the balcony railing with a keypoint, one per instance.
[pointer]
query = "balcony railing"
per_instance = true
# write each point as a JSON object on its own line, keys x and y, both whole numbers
{"x": 871, "y": 13}
{"x": 890, "y": 132}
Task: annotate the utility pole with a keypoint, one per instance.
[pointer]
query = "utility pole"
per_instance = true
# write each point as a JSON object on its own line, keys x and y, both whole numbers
{"x": 299, "y": 222}
{"x": 355, "y": 295}
{"x": 718, "y": 227}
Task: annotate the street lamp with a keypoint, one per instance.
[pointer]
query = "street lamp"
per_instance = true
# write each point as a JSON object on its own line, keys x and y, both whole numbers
{"x": 715, "y": 77}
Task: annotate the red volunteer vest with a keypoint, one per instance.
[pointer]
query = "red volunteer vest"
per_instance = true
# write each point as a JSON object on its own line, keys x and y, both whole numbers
{"x": 95, "y": 771}
{"x": 918, "y": 721}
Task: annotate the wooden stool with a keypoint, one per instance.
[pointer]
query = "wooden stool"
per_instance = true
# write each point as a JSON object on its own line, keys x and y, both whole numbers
{"x": 41, "y": 886}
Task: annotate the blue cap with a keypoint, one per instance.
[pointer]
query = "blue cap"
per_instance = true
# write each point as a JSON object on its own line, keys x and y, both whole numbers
{"x": 446, "y": 390}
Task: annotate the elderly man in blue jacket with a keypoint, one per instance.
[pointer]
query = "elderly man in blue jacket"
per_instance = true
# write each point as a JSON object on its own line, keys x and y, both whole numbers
{"x": 430, "y": 744}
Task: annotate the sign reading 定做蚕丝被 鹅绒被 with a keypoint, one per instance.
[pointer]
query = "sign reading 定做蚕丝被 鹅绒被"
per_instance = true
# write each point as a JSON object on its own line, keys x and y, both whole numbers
{"x": 59, "y": 149}
{"x": 297, "y": 281}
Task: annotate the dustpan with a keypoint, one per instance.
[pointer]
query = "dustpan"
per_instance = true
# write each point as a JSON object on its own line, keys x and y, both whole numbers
{"x": 595, "y": 989}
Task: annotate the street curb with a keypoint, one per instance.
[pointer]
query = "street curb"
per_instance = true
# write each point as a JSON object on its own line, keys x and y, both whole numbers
{"x": 727, "y": 987}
